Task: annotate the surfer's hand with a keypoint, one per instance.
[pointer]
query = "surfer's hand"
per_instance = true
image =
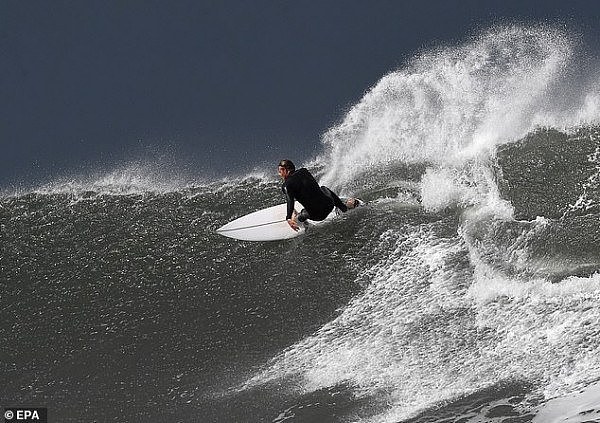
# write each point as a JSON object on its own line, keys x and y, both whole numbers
{"x": 293, "y": 224}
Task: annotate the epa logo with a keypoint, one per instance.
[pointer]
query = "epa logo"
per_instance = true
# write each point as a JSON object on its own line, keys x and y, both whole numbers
{"x": 25, "y": 415}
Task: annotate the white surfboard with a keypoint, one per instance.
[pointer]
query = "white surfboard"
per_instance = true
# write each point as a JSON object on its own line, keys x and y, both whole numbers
{"x": 267, "y": 225}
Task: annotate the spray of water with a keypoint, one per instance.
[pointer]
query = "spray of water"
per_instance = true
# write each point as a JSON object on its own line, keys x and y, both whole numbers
{"x": 452, "y": 104}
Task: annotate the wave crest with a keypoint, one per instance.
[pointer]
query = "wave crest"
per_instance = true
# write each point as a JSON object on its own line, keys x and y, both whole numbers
{"x": 451, "y": 104}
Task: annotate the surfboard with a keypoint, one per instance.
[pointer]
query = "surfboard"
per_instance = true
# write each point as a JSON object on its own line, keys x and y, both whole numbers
{"x": 268, "y": 224}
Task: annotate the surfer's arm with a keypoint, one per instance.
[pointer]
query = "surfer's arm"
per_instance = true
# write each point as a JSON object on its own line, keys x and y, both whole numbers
{"x": 291, "y": 213}
{"x": 290, "y": 203}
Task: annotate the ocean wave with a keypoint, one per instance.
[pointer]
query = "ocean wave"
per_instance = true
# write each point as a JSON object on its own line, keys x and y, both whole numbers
{"x": 474, "y": 266}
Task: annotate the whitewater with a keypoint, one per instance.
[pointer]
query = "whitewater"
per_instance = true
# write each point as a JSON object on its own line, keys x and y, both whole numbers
{"x": 468, "y": 290}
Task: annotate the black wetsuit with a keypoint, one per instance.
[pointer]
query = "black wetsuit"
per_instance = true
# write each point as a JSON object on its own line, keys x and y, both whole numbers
{"x": 318, "y": 201}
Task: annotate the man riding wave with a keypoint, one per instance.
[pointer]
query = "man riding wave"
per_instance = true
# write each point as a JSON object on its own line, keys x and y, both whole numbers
{"x": 318, "y": 201}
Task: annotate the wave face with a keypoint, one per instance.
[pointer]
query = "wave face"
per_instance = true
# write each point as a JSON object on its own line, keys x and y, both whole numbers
{"x": 468, "y": 289}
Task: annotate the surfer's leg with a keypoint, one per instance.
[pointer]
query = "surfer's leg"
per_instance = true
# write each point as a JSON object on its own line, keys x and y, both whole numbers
{"x": 336, "y": 200}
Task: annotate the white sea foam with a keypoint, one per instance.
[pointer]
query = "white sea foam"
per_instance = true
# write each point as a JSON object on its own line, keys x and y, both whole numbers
{"x": 450, "y": 102}
{"x": 429, "y": 328}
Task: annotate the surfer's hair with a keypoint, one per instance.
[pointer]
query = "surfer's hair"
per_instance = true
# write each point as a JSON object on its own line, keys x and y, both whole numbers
{"x": 287, "y": 164}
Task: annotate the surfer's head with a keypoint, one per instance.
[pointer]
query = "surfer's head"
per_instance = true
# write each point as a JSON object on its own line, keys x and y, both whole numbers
{"x": 285, "y": 168}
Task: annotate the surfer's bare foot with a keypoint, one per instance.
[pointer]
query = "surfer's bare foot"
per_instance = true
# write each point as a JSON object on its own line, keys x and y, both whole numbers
{"x": 352, "y": 203}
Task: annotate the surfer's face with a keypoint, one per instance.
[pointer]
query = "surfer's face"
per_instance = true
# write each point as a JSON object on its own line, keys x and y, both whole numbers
{"x": 283, "y": 172}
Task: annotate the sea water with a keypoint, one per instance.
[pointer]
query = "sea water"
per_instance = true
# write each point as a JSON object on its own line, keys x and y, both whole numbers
{"x": 467, "y": 290}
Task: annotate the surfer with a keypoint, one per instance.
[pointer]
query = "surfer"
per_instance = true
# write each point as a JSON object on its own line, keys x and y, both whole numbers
{"x": 318, "y": 201}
